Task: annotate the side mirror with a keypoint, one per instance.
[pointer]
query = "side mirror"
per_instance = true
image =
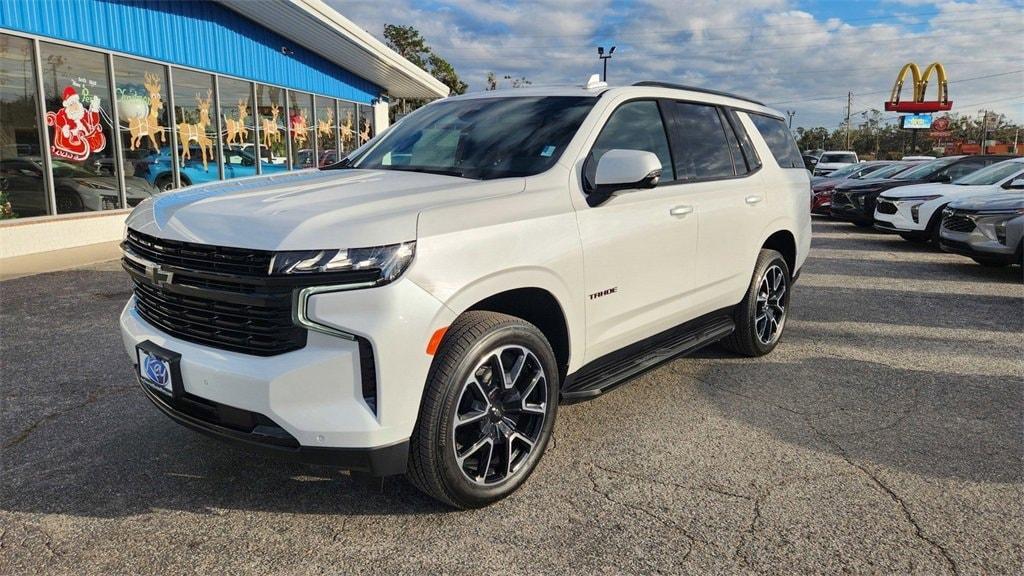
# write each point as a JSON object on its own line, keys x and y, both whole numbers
{"x": 620, "y": 170}
{"x": 1016, "y": 184}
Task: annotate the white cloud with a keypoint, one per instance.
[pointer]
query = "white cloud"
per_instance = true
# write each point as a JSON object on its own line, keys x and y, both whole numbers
{"x": 767, "y": 49}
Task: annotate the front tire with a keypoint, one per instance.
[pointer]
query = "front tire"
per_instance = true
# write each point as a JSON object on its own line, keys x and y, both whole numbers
{"x": 761, "y": 316}
{"x": 487, "y": 413}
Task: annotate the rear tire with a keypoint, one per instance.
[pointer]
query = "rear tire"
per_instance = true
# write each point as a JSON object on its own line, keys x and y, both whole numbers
{"x": 761, "y": 316}
{"x": 487, "y": 413}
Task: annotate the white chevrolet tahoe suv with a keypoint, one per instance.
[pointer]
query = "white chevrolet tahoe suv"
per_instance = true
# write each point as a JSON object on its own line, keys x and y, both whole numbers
{"x": 426, "y": 305}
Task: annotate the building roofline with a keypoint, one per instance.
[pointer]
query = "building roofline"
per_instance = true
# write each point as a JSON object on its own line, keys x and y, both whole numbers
{"x": 321, "y": 29}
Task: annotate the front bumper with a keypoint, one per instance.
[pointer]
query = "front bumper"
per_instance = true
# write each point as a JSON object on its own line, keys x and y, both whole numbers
{"x": 216, "y": 421}
{"x": 977, "y": 244}
{"x": 315, "y": 394}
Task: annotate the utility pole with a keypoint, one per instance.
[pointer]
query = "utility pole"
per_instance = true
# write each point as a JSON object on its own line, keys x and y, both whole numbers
{"x": 849, "y": 105}
{"x": 790, "y": 113}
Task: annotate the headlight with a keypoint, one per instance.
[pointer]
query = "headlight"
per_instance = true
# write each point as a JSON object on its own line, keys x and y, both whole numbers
{"x": 992, "y": 224}
{"x": 391, "y": 261}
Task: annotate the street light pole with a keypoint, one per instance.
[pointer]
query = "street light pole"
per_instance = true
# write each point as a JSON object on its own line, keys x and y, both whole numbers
{"x": 604, "y": 59}
{"x": 790, "y": 113}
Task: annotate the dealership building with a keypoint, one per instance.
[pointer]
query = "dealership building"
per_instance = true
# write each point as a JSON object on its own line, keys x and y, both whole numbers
{"x": 104, "y": 103}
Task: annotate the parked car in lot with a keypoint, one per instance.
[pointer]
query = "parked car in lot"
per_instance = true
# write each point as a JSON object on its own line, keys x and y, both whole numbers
{"x": 915, "y": 212}
{"x": 829, "y": 162}
{"x": 811, "y": 158}
{"x": 855, "y": 201}
{"x": 918, "y": 158}
{"x": 988, "y": 229}
{"x": 821, "y": 186}
{"x": 426, "y": 304}
{"x": 238, "y": 163}
{"x": 77, "y": 189}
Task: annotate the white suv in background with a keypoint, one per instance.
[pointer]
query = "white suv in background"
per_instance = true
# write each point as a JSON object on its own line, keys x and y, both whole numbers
{"x": 915, "y": 212}
{"x": 424, "y": 307}
{"x": 831, "y": 161}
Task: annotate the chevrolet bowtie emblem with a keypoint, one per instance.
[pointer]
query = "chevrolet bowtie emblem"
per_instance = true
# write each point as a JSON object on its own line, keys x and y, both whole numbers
{"x": 158, "y": 275}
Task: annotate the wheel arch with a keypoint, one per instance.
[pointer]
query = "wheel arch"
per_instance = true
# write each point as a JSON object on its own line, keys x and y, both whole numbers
{"x": 783, "y": 242}
{"x": 537, "y": 295}
{"x": 538, "y": 307}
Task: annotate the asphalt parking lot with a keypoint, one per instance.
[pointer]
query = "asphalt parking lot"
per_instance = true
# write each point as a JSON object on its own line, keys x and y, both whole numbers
{"x": 884, "y": 435}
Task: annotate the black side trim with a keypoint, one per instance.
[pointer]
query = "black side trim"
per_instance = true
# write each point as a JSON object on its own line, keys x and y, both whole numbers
{"x": 611, "y": 370}
{"x": 378, "y": 461}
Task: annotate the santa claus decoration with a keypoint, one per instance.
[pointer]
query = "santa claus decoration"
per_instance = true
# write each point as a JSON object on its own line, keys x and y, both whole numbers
{"x": 77, "y": 132}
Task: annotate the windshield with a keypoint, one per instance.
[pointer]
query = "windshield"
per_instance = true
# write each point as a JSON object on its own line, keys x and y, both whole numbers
{"x": 927, "y": 169}
{"x": 481, "y": 138}
{"x": 838, "y": 157}
{"x": 991, "y": 174}
{"x": 845, "y": 171}
{"x": 887, "y": 171}
{"x": 66, "y": 170}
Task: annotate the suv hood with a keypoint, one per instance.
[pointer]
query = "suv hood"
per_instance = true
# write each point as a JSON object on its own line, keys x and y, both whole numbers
{"x": 922, "y": 190}
{"x": 872, "y": 185}
{"x": 309, "y": 209}
{"x": 997, "y": 201}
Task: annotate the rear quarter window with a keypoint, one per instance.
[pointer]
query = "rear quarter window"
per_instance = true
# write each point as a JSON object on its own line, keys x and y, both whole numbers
{"x": 779, "y": 140}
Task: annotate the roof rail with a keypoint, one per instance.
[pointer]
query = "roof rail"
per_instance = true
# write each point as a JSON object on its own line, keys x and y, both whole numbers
{"x": 696, "y": 89}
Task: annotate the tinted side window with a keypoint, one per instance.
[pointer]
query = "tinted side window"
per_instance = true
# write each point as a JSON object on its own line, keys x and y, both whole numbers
{"x": 753, "y": 162}
{"x": 960, "y": 169}
{"x": 704, "y": 150}
{"x": 779, "y": 140}
{"x": 633, "y": 126}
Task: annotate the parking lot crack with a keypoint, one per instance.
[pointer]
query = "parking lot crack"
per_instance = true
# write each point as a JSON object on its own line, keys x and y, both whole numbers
{"x": 896, "y": 498}
{"x": 644, "y": 511}
{"x": 92, "y": 398}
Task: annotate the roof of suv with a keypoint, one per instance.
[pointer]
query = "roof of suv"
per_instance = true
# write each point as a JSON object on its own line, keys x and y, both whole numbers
{"x": 639, "y": 89}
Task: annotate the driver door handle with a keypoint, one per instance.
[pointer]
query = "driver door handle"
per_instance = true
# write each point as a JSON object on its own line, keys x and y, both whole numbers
{"x": 752, "y": 199}
{"x": 680, "y": 211}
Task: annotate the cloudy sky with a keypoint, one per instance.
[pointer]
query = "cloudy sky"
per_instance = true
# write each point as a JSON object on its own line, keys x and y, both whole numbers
{"x": 801, "y": 55}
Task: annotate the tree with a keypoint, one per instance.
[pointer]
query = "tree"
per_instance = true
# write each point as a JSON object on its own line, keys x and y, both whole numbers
{"x": 406, "y": 40}
{"x": 443, "y": 71}
{"x": 411, "y": 45}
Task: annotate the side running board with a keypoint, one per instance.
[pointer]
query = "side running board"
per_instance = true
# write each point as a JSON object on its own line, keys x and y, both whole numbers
{"x": 611, "y": 370}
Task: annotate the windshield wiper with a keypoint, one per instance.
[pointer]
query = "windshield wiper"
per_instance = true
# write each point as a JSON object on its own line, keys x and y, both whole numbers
{"x": 426, "y": 170}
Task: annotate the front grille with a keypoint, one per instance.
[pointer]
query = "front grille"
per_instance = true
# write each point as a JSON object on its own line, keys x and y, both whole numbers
{"x": 200, "y": 257}
{"x": 243, "y": 310}
{"x": 886, "y": 207}
{"x": 840, "y": 199}
{"x": 958, "y": 222}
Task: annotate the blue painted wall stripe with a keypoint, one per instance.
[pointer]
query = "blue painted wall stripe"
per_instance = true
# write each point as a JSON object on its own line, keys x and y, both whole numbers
{"x": 197, "y": 34}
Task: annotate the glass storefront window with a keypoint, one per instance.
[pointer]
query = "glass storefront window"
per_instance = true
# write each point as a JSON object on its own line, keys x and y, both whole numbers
{"x": 270, "y": 107}
{"x": 365, "y": 124}
{"x": 196, "y": 128}
{"x": 144, "y": 127}
{"x": 22, "y": 187}
{"x": 326, "y": 131}
{"x": 239, "y": 130}
{"x": 348, "y": 126}
{"x": 76, "y": 93}
{"x": 299, "y": 105}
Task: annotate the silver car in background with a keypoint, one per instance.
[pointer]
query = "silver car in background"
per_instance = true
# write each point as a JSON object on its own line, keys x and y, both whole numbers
{"x": 988, "y": 229}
